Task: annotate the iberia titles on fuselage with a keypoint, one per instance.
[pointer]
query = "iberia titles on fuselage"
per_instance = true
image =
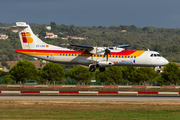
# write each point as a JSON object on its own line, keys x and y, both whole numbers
{"x": 94, "y": 57}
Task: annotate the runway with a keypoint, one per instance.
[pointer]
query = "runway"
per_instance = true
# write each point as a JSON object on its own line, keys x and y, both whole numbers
{"x": 95, "y": 98}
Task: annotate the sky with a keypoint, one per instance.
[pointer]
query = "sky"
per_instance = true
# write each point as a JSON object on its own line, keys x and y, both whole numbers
{"x": 141, "y": 13}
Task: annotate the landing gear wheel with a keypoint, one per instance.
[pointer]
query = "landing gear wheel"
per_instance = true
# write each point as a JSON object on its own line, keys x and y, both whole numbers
{"x": 92, "y": 68}
{"x": 102, "y": 69}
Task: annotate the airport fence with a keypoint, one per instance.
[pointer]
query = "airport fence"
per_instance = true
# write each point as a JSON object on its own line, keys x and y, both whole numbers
{"x": 89, "y": 93}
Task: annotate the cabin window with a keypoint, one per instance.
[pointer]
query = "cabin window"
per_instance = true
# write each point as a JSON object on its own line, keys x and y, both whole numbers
{"x": 122, "y": 56}
{"x": 134, "y": 56}
{"x": 125, "y": 56}
{"x": 128, "y": 56}
{"x": 131, "y": 56}
{"x": 63, "y": 54}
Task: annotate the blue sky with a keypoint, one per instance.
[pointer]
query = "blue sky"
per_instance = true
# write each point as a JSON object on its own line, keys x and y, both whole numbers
{"x": 141, "y": 13}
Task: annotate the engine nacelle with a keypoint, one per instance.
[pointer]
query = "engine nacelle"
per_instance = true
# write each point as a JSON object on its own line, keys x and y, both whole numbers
{"x": 97, "y": 50}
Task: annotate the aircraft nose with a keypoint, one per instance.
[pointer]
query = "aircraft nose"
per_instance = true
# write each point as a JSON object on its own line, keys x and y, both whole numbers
{"x": 165, "y": 61}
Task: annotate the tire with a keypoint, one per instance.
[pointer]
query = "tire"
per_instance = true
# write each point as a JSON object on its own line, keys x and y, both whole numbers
{"x": 92, "y": 68}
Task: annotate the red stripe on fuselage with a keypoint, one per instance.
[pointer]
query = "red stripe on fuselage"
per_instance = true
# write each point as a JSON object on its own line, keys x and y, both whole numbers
{"x": 124, "y": 52}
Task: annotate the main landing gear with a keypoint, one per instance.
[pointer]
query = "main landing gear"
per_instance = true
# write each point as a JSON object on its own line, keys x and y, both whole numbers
{"x": 92, "y": 68}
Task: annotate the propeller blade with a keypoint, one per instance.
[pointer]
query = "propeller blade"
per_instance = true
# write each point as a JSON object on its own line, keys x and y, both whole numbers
{"x": 107, "y": 58}
{"x": 106, "y": 52}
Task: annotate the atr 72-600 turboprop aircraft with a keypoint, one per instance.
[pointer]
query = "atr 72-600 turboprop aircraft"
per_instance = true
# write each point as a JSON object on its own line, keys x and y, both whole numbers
{"x": 94, "y": 57}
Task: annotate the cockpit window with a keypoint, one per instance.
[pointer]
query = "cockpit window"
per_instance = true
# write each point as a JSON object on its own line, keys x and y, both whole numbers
{"x": 158, "y": 55}
{"x": 155, "y": 55}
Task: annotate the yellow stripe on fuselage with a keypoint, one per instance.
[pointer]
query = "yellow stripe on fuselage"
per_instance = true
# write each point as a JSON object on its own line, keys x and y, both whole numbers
{"x": 138, "y": 53}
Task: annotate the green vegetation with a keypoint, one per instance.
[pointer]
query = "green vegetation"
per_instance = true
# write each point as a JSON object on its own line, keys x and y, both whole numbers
{"x": 89, "y": 110}
{"x": 80, "y": 73}
{"x": 7, "y": 79}
{"x": 23, "y": 70}
{"x": 52, "y": 72}
{"x": 171, "y": 73}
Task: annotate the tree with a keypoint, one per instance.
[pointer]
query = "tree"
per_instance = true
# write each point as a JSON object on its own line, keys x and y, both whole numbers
{"x": 4, "y": 63}
{"x": 23, "y": 70}
{"x": 53, "y": 25}
{"x": 143, "y": 74}
{"x": 7, "y": 79}
{"x": 171, "y": 73}
{"x": 52, "y": 72}
{"x": 127, "y": 73}
{"x": 11, "y": 56}
{"x": 146, "y": 28}
{"x": 114, "y": 74}
{"x": 158, "y": 47}
{"x": 80, "y": 73}
{"x": 43, "y": 31}
{"x": 102, "y": 76}
{"x": 1, "y": 73}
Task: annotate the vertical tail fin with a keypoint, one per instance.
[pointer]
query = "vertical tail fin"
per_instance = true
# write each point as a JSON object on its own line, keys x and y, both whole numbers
{"x": 29, "y": 40}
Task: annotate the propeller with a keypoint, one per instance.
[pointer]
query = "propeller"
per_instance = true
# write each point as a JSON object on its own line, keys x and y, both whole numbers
{"x": 106, "y": 52}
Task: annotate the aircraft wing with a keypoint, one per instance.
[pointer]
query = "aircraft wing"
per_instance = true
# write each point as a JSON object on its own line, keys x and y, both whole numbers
{"x": 80, "y": 48}
{"x": 123, "y": 46}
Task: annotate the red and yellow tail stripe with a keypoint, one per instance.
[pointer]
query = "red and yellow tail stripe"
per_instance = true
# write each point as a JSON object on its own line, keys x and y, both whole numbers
{"x": 26, "y": 37}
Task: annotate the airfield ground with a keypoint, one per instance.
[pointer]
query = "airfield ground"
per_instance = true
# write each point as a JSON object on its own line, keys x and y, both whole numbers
{"x": 20, "y": 109}
{"x": 11, "y": 109}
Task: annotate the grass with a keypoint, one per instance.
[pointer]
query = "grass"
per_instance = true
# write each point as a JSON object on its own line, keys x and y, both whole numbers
{"x": 89, "y": 110}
